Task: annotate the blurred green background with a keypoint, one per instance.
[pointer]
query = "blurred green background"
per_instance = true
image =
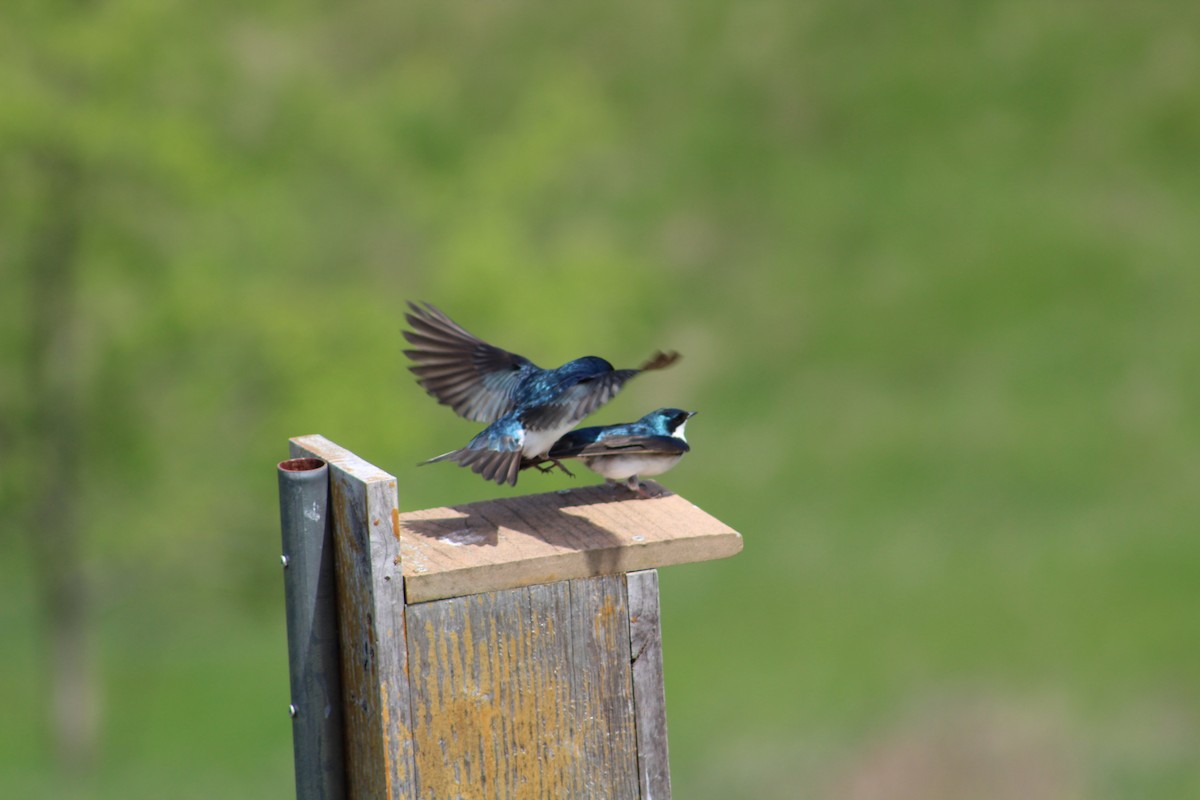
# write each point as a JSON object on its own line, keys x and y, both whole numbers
{"x": 932, "y": 267}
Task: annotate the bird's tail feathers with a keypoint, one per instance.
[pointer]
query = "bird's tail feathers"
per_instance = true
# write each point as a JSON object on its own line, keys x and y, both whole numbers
{"x": 492, "y": 465}
{"x": 660, "y": 360}
{"x": 451, "y": 456}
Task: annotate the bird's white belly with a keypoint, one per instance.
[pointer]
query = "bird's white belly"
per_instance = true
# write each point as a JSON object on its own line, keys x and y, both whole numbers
{"x": 538, "y": 443}
{"x": 619, "y": 468}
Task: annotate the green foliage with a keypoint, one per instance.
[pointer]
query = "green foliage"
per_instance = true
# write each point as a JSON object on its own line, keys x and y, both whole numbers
{"x": 932, "y": 270}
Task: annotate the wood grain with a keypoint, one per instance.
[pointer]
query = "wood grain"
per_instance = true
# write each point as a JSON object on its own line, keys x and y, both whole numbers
{"x": 521, "y": 541}
{"x": 371, "y": 631}
{"x": 524, "y": 693}
{"x": 495, "y": 649}
{"x": 650, "y": 702}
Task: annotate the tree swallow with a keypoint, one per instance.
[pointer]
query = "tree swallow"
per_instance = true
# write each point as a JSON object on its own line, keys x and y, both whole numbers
{"x": 650, "y": 446}
{"x": 528, "y": 408}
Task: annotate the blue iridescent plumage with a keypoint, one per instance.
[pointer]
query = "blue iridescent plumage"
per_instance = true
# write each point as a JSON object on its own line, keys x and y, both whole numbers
{"x": 623, "y": 452}
{"x": 528, "y": 408}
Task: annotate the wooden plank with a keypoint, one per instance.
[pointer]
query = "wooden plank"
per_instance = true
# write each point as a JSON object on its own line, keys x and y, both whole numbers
{"x": 524, "y": 693}
{"x": 374, "y": 652}
{"x": 650, "y": 702}
{"x": 521, "y": 541}
{"x": 603, "y": 688}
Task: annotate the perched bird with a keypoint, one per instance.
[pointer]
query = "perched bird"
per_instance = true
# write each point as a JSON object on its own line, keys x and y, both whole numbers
{"x": 528, "y": 408}
{"x": 650, "y": 446}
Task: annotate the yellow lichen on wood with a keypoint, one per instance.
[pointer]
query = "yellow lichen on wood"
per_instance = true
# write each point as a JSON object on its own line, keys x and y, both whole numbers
{"x": 512, "y": 694}
{"x": 496, "y": 665}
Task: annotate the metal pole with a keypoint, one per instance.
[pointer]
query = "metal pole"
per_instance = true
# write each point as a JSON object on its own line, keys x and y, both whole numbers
{"x": 308, "y": 582}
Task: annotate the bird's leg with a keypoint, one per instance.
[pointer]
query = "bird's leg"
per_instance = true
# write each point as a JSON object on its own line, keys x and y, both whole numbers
{"x": 554, "y": 462}
{"x": 635, "y": 486}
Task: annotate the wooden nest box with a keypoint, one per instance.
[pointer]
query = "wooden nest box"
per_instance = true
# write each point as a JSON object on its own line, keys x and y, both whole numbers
{"x": 502, "y": 649}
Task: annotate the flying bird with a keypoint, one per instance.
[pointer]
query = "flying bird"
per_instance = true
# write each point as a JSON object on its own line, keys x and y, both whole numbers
{"x": 528, "y": 408}
{"x": 650, "y": 446}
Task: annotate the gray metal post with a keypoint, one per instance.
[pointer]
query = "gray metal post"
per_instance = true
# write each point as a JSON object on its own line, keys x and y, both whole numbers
{"x": 312, "y": 629}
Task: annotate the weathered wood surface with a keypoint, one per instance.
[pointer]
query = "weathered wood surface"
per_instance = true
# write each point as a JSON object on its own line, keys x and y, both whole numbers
{"x": 524, "y": 693}
{"x": 645, "y": 645}
{"x": 522, "y": 541}
{"x": 363, "y": 503}
{"x": 521, "y": 663}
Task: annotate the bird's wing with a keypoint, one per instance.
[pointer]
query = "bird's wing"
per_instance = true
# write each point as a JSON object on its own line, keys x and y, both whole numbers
{"x": 588, "y": 394}
{"x": 620, "y": 444}
{"x": 458, "y": 369}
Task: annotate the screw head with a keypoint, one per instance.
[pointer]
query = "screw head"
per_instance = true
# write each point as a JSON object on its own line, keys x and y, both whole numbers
{"x": 284, "y": 560}
{"x": 293, "y": 712}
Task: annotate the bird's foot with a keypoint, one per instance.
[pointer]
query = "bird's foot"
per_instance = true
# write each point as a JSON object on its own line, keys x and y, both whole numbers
{"x": 553, "y": 462}
{"x": 637, "y": 487}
